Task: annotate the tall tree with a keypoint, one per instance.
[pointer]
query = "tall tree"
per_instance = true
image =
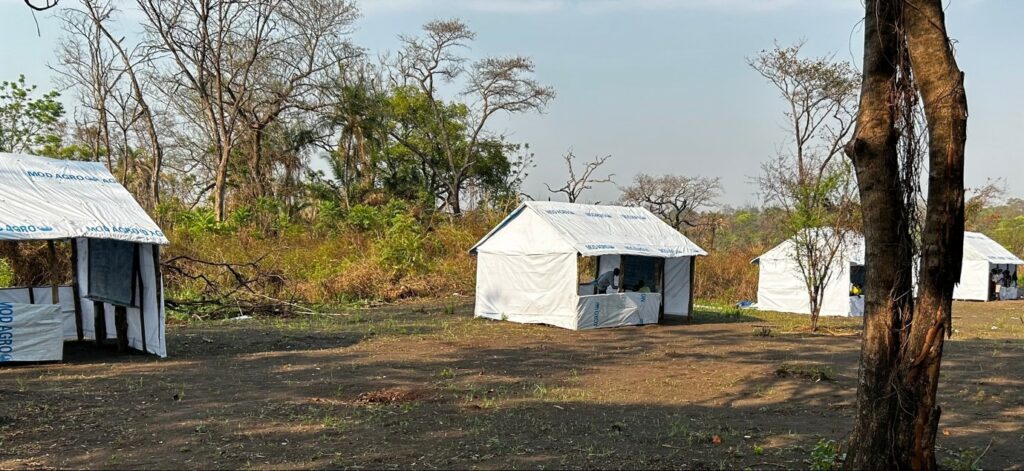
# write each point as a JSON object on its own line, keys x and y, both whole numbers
{"x": 907, "y": 56}
{"x": 493, "y": 85}
{"x": 86, "y": 63}
{"x": 215, "y": 47}
{"x": 808, "y": 178}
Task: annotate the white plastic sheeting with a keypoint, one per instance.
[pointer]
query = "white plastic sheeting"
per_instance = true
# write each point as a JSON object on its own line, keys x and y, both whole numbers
{"x": 532, "y": 289}
{"x": 981, "y": 255}
{"x": 44, "y": 295}
{"x": 527, "y": 265}
{"x": 149, "y": 294}
{"x": 594, "y": 230}
{"x": 30, "y": 332}
{"x": 677, "y": 286}
{"x": 48, "y": 199}
{"x": 614, "y": 310}
{"x": 781, "y": 284}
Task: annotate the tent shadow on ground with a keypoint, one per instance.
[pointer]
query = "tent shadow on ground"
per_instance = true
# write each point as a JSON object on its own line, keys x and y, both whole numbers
{"x": 651, "y": 396}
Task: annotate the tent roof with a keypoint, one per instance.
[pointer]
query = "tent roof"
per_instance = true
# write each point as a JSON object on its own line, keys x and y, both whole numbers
{"x": 47, "y": 199}
{"x": 854, "y": 245}
{"x": 602, "y": 230}
{"x": 978, "y": 246}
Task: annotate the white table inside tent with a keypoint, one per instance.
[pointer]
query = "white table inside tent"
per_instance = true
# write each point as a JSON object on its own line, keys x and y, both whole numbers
{"x": 1009, "y": 292}
{"x": 857, "y": 305}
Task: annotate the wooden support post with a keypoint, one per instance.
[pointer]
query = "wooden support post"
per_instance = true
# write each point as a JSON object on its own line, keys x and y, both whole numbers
{"x": 76, "y": 291}
{"x": 597, "y": 272}
{"x": 121, "y": 325}
{"x": 661, "y": 289}
{"x": 54, "y": 273}
{"x": 100, "y": 321}
{"x": 693, "y": 267}
{"x": 158, "y": 276}
{"x": 622, "y": 272}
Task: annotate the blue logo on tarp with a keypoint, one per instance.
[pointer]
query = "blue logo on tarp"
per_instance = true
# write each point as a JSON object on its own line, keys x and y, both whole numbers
{"x": 69, "y": 177}
{"x": 597, "y": 311}
{"x": 126, "y": 230}
{"x": 6, "y": 332}
{"x": 25, "y": 229}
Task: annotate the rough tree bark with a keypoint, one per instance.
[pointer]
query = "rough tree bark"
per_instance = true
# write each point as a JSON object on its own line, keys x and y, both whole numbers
{"x": 897, "y": 415}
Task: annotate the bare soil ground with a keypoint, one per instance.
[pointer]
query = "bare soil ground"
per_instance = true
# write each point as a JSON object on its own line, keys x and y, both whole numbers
{"x": 430, "y": 387}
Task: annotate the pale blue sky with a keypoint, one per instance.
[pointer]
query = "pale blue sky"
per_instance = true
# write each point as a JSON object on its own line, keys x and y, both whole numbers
{"x": 662, "y": 85}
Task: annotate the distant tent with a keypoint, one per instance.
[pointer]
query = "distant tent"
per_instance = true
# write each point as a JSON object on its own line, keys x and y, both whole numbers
{"x": 781, "y": 287}
{"x": 527, "y": 266}
{"x": 981, "y": 256}
{"x": 115, "y": 249}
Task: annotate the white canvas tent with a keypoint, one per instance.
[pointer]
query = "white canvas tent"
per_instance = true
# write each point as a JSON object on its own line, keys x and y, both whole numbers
{"x": 781, "y": 287}
{"x": 527, "y": 266}
{"x": 112, "y": 239}
{"x": 981, "y": 255}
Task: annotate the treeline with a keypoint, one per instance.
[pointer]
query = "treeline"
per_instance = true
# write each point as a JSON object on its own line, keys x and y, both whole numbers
{"x": 290, "y": 166}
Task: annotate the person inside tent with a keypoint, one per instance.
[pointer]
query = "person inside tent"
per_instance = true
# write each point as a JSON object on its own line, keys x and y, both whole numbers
{"x": 607, "y": 279}
{"x": 856, "y": 290}
{"x": 642, "y": 288}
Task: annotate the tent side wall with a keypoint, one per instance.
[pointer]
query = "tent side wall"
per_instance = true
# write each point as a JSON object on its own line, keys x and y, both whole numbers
{"x": 974, "y": 280}
{"x": 533, "y": 289}
{"x": 678, "y": 280}
{"x": 151, "y": 316}
{"x": 781, "y": 288}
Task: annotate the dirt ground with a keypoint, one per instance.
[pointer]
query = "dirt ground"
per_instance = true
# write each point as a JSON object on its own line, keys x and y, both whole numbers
{"x": 430, "y": 387}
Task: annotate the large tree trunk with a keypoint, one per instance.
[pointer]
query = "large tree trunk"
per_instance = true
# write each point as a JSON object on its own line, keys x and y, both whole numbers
{"x": 897, "y": 414}
{"x": 940, "y": 83}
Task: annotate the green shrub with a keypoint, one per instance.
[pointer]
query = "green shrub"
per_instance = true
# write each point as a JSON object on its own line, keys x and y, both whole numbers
{"x": 401, "y": 249}
{"x": 824, "y": 455}
{"x": 6, "y": 273}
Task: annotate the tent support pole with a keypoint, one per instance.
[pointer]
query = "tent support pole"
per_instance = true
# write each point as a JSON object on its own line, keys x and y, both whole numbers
{"x": 54, "y": 276}
{"x": 661, "y": 289}
{"x": 99, "y": 310}
{"x": 693, "y": 266}
{"x": 121, "y": 325}
{"x": 76, "y": 291}
{"x": 142, "y": 295}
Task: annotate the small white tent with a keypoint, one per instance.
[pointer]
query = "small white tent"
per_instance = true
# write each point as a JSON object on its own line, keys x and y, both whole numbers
{"x": 117, "y": 291}
{"x": 981, "y": 256}
{"x": 781, "y": 287}
{"x": 527, "y": 266}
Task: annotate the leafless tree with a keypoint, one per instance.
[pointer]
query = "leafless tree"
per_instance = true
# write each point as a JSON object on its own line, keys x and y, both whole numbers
{"x": 214, "y": 47}
{"x": 86, "y": 63}
{"x": 677, "y": 199}
{"x": 493, "y": 85}
{"x": 808, "y": 178}
{"x": 985, "y": 196}
{"x": 576, "y": 184}
{"x": 909, "y": 66}
{"x": 100, "y": 13}
{"x": 308, "y": 40}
